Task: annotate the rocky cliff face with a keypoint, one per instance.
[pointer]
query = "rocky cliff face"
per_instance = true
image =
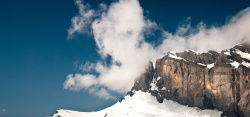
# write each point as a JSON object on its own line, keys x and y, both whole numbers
{"x": 205, "y": 80}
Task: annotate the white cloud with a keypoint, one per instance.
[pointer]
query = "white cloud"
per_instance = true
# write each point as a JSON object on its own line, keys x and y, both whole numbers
{"x": 3, "y": 110}
{"x": 204, "y": 39}
{"x": 80, "y": 22}
{"x": 102, "y": 93}
{"x": 103, "y": 6}
{"x": 219, "y": 38}
{"x": 119, "y": 32}
{"x": 79, "y": 81}
{"x": 87, "y": 67}
{"x": 184, "y": 27}
{"x": 86, "y": 82}
{"x": 171, "y": 42}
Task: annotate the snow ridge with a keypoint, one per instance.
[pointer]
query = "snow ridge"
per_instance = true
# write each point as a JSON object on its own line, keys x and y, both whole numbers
{"x": 143, "y": 104}
{"x": 235, "y": 64}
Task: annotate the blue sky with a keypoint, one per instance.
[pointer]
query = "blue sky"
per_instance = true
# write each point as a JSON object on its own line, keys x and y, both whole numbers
{"x": 36, "y": 56}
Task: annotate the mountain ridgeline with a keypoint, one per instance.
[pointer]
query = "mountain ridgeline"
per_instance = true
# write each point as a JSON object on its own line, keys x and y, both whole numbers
{"x": 217, "y": 83}
{"x": 209, "y": 80}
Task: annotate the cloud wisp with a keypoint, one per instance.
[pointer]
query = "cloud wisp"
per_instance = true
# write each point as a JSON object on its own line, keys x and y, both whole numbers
{"x": 3, "y": 110}
{"x": 219, "y": 38}
{"x": 119, "y": 32}
{"x": 81, "y": 22}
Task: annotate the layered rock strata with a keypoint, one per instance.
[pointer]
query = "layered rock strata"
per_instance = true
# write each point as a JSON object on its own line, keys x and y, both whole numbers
{"x": 209, "y": 80}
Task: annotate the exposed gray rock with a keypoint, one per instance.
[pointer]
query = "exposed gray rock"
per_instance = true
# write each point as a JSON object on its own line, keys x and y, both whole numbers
{"x": 143, "y": 82}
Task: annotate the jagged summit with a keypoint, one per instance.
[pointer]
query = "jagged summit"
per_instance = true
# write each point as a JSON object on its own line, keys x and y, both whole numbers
{"x": 209, "y": 80}
{"x": 239, "y": 54}
{"x": 212, "y": 80}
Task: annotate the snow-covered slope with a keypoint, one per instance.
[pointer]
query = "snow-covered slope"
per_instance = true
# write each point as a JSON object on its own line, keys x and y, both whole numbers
{"x": 143, "y": 104}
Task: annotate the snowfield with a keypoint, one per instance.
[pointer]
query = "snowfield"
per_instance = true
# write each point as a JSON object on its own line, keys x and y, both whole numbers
{"x": 142, "y": 104}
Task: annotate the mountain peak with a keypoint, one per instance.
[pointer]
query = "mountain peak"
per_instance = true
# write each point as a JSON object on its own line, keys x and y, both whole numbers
{"x": 209, "y": 80}
{"x": 212, "y": 80}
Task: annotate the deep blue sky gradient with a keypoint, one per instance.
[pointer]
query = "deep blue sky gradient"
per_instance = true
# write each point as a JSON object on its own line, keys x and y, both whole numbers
{"x": 36, "y": 57}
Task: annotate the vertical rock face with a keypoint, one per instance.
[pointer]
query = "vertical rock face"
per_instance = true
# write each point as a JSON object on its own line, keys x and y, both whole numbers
{"x": 205, "y": 80}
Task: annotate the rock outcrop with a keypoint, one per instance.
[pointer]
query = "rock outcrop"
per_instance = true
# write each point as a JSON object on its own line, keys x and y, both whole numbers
{"x": 205, "y": 80}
